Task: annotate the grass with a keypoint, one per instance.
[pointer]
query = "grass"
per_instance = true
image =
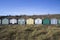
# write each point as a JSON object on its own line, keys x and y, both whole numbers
{"x": 29, "y": 32}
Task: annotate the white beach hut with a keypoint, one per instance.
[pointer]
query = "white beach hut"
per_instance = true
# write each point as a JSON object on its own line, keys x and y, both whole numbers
{"x": 13, "y": 21}
{"x": 38, "y": 21}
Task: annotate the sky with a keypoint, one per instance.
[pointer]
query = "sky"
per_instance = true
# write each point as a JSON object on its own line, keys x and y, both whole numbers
{"x": 29, "y": 7}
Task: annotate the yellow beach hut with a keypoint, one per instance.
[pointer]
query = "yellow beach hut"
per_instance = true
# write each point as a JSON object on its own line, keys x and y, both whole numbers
{"x": 30, "y": 21}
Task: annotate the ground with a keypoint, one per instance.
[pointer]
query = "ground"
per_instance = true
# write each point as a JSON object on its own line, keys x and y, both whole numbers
{"x": 29, "y": 32}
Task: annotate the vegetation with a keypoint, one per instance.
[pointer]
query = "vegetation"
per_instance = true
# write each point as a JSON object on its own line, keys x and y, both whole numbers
{"x": 29, "y": 32}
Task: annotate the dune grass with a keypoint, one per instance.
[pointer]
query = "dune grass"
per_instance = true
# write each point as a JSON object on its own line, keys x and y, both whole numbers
{"x": 29, "y": 32}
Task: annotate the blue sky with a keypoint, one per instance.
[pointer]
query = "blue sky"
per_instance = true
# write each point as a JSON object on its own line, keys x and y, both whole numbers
{"x": 29, "y": 7}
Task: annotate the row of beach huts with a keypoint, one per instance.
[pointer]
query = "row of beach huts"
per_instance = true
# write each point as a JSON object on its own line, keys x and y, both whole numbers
{"x": 23, "y": 21}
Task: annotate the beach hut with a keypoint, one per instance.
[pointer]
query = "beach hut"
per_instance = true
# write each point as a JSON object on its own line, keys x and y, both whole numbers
{"x": 46, "y": 21}
{"x": 0, "y": 21}
{"x": 53, "y": 21}
{"x": 58, "y": 21}
{"x": 30, "y": 21}
{"x": 5, "y": 21}
{"x": 38, "y": 21}
{"x": 21, "y": 21}
{"x": 13, "y": 21}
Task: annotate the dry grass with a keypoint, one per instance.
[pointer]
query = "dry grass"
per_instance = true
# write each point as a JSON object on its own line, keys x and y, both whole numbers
{"x": 29, "y": 32}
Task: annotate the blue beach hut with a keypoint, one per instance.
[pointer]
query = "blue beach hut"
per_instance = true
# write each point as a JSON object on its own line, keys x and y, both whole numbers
{"x": 53, "y": 21}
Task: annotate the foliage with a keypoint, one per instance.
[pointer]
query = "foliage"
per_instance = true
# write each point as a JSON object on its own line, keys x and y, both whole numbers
{"x": 29, "y": 32}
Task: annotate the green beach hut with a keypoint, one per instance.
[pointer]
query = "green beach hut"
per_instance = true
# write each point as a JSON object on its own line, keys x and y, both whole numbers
{"x": 0, "y": 21}
{"x": 21, "y": 21}
{"x": 58, "y": 21}
{"x": 46, "y": 21}
{"x": 5, "y": 21}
